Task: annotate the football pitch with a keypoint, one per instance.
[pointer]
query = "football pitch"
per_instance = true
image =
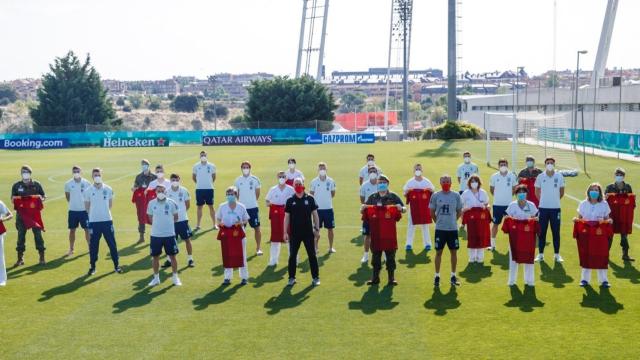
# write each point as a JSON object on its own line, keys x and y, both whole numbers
{"x": 56, "y": 311}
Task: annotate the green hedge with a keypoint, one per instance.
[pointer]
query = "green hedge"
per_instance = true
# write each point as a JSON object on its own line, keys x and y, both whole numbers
{"x": 453, "y": 130}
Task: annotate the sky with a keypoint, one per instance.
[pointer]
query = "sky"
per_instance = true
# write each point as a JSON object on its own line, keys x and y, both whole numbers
{"x": 157, "y": 39}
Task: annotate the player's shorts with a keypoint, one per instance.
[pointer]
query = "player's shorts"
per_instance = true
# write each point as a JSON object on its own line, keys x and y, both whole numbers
{"x": 498, "y": 213}
{"x": 365, "y": 228}
{"x": 78, "y": 218}
{"x": 448, "y": 238}
{"x": 254, "y": 217}
{"x": 183, "y": 231}
{"x": 204, "y": 196}
{"x": 168, "y": 243}
{"x": 327, "y": 220}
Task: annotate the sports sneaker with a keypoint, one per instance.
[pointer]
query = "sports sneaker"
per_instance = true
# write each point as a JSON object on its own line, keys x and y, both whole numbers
{"x": 332, "y": 251}
{"x": 191, "y": 263}
{"x": 243, "y": 282}
{"x": 408, "y": 248}
{"x": 155, "y": 281}
{"x": 215, "y": 227}
{"x": 119, "y": 270}
{"x": 605, "y": 284}
{"x": 365, "y": 258}
{"x": 511, "y": 284}
{"x": 291, "y": 282}
{"x": 4, "y": 283}
{"x": 273, "y": 264}
{"x": 540, "y": 257}
{"x": 530, "y": 284}
{"x": 92, "y": 271}
{"x": 436, "y": 281}
{"x": 197, "y": 228}
{"x": 315, "y": 282}
{"x": 226, "y": 282}
{"x": 427, "y": 248}
{"x": 583, "y": 283}
{"x": 69, "y": 253}
{"x": 259, "y": 253}
{"x": 558, "y": 258}
{"x": 167, "y": 264}
{"x": 176, "y": 280}
{"x": 454, "y": 281}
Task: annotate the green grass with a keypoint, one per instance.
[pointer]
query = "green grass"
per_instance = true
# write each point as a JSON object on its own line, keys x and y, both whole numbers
{"x": 56, "y": 312}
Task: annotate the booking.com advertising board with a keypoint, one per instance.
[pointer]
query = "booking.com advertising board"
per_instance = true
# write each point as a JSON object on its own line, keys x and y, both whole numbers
{"x": 341, "y": 138}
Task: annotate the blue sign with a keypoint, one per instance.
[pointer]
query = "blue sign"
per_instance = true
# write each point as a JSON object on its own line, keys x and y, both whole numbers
{"x": 348, "y": 138}
{"x": 37, "y": 144}
{"x": 215, "y": 140}
{"x": 313, "y": 139}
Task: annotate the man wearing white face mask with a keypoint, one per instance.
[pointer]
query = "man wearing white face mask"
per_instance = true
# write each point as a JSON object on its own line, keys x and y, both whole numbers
{"x": 26, "y": 188}
{"x": 293, "y": 173}
{"x": 364, "y": 171}
{"x": 163, "y": 213}
{"x": 98, "y": 200}
{"x": 367, "y": 189}
{"x": 248, "y": 187}
{"x": 159, "y": 180}
{"x": 276, "y": 200}
{"x": 418, "y": 182}
{"x": 549, "y": 189}
{"x": 140, "y": 185}
{"x": 465, "y": 170}
{"x": 323, "y": 189}
{"x": 204, "y": 175}
{"x": 77, "y": 215}
{"x": 180, "y": 195}
{"x": 501, "y": 186}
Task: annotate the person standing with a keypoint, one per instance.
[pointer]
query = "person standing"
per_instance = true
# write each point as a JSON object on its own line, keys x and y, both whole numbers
{"x": 232, "y": 217}
{"x": 159, "y": 180}
{"x": 501, "y": 185}
{"x": 27, "y": 188}
{"x": 323, "y": 190}
{"x": 476, "y": 201}
{"x": 139, "y": 188}
{"x": 301, "y": 216}
{"x": 98, "y": 200}
{"x": 619, "y": 186}
{"x": 293, "y": 173}
{"x": 446, "y": 209}
{"x": 549, "y": 189}
{"x": 420, "y": 187}
{"x": 5, "y": 215}
{"x": 77, "y": 215}
{"x": 384, "y": 198}
{"x": 180, "y": 195}
{"x": 363, "y": 175}
{"x": 528, "y": 176}
{"x": 521, "y": 210}
{"x": 465, "y": 170}
{"x": 248, "y": 186}
{"x": 163, "y": 213}
{"x": 276, "y": 200}
{"x": 204, "y": 176}
{"x": 367, "y": 189}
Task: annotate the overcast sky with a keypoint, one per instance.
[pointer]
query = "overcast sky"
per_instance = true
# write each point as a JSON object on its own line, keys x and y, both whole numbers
{"x": 156, "y": 39}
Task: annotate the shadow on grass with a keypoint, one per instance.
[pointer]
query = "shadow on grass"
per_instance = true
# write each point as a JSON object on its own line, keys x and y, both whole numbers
{"x": 217, "y": 270}
{"x": 526, "y": 301}
{"x": 474, "y": 272}
{"x": 556, "y": 276}
{"x": 627, "y": 271}
{"x": 605, "y": 301}
{"x": 71, "y": 287}
{"x": 143, "y": 263}
{"x": 444, "y": 150}
{"x": 358, "y": 240}
{"x": 287, "y": 299}
{"x": 442, "y": 303}
{"x": 268, "y": 275}
{"x": 139, "y": 299}
{"x": 412, "y": 259}
{"x": 361, "y": 275}
{"x": 373, "y": 300}
{"x": 501, "y": 260}
{"x": 305, "y": 268}
{"x": 131, "y": 249}
{"x": 200, "y": 233}
{"x": 16, "y": 272}
{"x": 219, "y": 295}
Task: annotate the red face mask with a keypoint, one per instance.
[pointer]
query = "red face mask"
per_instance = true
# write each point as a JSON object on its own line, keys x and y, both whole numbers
{"x": 299, "y": 189}
{"x": 446, "y": 187}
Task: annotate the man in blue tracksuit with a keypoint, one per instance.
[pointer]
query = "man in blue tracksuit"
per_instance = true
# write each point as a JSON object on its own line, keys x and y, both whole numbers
{"x": 549, "y": 189}
{"x": 98, "y": 200}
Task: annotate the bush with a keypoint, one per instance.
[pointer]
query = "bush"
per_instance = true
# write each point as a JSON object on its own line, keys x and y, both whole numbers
{"x": 453, "y": 130}
{"x": 185, "y": 103}
{"x": 126, "y": 108}
{"x": 196, "y": 124}
{"x": 1, "y": 113}
{"x": 136, "y": 101}
{"x": 120, "y": 101}
{"x": 154, "y": 104}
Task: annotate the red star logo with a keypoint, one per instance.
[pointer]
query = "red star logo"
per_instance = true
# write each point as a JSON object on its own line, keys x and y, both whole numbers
{"x": 161, "y": 142}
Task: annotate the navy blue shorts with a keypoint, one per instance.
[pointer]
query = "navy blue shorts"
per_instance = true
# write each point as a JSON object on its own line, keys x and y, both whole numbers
{"x": 168, "y": 243}
{"x": 448, "y": 238}
{"x": 254, "y": 218}
{"x": 204, "y": 196}
{"x": 78, "y": 218}
{"x": 498, "y": 213}
{"x": 183, "y": 231}
{"x": 365, "y": 228}
{"x": 327, "y": 219}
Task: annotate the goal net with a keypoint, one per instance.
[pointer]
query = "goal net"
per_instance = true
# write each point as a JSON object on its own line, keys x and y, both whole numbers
{"x": 514, "y": 136}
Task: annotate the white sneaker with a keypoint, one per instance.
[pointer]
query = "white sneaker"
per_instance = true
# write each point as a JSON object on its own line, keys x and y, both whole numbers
{"x": 259, "y": 253}
{"x": 332, "y": 250}
{"x": 559, "y": 258}
{"x": 4, "y": 283}
{"x": 272, "y": 263}
{"x": 511, "y": 283}
{"x": 176, "y": 280}
{"x": 365, "y": 258}
{"x": 540, "y": 257}
{"x": 155, "y": 281}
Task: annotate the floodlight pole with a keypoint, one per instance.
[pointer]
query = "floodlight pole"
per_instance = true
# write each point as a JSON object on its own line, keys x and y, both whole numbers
{"x": 584, "y": 149}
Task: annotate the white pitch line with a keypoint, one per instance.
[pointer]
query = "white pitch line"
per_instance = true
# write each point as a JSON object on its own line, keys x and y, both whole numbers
{"x": 579, "y": 201}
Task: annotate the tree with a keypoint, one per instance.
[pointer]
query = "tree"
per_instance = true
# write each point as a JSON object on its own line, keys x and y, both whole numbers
{"x": 552, "y": 81}
{"x": 351, "y": 100}
{"x": 136, "y": 101}
{"x": 437, "y": 114}
{"x": 154, "y": 103}
{"x": 285, "y": 100}
{"x": 71, "y": 95}
{"x": 8, "y": 92}
{"x": 185, "y": 103}
{"x": 218, "y": 111}
{"x": 120, "y": 101}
